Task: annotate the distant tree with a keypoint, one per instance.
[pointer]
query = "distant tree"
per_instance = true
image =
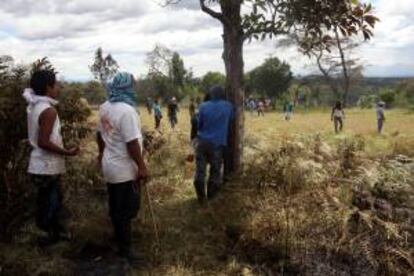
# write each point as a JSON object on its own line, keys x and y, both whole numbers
{"x": 210, "y": 79}
{"x": 42, "y": 64}
{"x": 177, "y": 71}
{"x": 103, "y": 68}
{"x": 332, "y": 47}
{"x": 405, "y": 92}
{"x": 6, "y": 62}
{"x": 167, "y": 75}
{"x": 272, "y": 78}
{"x": 367, "y": 101}
{"x": 159, "y": 60}
{"x": 387, "y": 96}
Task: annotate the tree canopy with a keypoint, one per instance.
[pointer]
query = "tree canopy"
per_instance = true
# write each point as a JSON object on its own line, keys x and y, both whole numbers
{"x": 103, "y": 67}
{"x": 271, "y": 79}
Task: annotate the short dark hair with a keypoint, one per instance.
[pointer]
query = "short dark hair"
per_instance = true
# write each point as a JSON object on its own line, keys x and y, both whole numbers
{"x": 217, "y": 93}
{"x": 41, "y": 79}
{"x": 338, "y": 105}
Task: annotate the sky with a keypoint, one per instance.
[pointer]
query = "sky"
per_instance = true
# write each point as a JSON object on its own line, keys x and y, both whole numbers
{"x": 69, "y": 32}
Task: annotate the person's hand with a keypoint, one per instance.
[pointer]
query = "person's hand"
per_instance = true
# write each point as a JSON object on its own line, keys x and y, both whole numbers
{"x": 72, "y": 151}
{"x": 143, "y": 175}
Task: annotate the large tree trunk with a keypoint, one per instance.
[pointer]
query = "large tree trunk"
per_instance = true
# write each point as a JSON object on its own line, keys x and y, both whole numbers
{"x": 233, "y": 39}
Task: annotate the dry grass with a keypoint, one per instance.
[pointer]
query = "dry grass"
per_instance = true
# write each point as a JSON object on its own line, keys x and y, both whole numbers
{"x": 296, "y": 209}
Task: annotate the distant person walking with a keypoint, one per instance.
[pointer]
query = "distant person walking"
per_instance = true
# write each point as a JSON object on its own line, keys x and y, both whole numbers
{"x": 119, "y": 140}
{"x": 288, "y": 108}
{"x": 338, "y": 116}
{"x": 251, "y": 105}
{"x": 380, "y": 116}
{"x": 260, "y": 109}
{"x": 157, "y": 115}
{"x": 172, "y": 112}
{"x": 214, "y": 122}
{"x": 149, "y": 105}
{"x": 47, "y": 158}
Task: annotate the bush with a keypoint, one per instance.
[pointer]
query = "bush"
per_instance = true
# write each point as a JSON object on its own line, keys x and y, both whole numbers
{"x": 367, "y": 101}
{"x": 388, "y": 96}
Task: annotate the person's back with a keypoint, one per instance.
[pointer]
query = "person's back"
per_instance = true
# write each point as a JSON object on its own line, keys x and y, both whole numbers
{"x": 290, "y": 107}
{"x": 119, "y": 122}
{"x": 172, "y": 109}
{"x": 380, "y": 112}
{"x": 380, "y": 116}
{"x": 214, "y": 121}
{"x": 157, "y": 115}
{"x": 157, "y": 110}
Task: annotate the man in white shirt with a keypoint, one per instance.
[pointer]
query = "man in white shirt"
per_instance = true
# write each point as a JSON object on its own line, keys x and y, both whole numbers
{"x": 47, "y": 159}
{"x": 119, "y": 140}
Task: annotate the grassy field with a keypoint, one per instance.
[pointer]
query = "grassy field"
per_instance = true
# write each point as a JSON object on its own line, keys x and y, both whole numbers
{"x": 292, "y": 211}
{"x": 269, "y": 131}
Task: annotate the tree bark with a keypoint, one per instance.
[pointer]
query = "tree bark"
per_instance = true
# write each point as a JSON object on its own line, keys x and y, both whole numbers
{"x": 329, "y": 80}
{"x": 346, "y": 80}
{"x": 233, "y": 39}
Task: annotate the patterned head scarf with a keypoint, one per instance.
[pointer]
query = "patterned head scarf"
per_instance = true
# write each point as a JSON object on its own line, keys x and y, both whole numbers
{"x": 121, "y": 89}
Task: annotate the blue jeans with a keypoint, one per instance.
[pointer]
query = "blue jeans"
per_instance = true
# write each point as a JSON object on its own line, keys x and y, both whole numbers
{"x": 208, "y": 154}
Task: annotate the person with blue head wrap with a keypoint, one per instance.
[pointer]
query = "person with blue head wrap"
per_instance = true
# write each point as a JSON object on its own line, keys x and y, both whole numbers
{"x": 119, "y": 139}
{"x": 121, "y": 89}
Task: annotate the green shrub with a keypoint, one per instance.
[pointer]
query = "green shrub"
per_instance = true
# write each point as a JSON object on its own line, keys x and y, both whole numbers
{"x": 367, "y": 101}
{"x": 388, "y": 96}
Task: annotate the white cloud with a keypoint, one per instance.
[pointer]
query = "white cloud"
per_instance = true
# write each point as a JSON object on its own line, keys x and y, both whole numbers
{"x": 68, "y": 32}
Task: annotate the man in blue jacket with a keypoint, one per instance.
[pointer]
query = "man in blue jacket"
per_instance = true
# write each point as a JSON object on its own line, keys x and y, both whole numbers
{"x": 213, "y": 129}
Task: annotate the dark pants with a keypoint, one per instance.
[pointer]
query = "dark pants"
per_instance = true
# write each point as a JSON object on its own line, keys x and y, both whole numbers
{"x": 124, "y": 202}
{"x": 380, "y": 125}
{"x": 208, "y": 154}
{"x": 338, "y": 122}
{"x": 157, "y": 122}
{"x": 173, "y": 120}
{"x": 49, "y": 203}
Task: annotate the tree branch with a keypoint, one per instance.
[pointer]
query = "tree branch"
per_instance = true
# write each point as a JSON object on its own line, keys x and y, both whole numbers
{"x": 214, "y": 14}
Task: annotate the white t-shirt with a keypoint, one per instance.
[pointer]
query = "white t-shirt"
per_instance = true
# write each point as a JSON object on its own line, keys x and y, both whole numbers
{"x": 44, "y": 162}
{"x": 119, "y": 124}
{"x": 339, "y": 113}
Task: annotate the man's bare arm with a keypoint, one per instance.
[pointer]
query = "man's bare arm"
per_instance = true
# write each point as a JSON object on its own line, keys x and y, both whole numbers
{"x": 134, "y": 150}
{"x": 46, "y": 121}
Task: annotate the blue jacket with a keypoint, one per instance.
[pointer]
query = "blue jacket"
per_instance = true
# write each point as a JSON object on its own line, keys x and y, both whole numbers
{"x": 214, "y": 122}
{"x": 157, "y": 111}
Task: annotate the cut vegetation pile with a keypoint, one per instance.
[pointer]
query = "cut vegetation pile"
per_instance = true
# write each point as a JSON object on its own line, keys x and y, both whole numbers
{"x": 318, "y": 210}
